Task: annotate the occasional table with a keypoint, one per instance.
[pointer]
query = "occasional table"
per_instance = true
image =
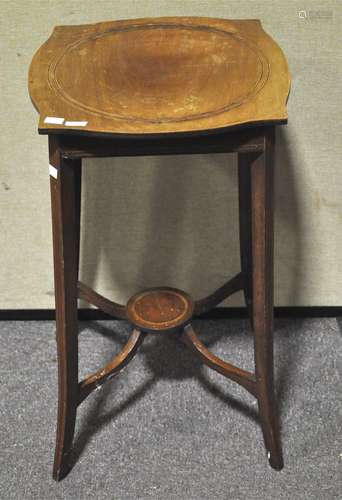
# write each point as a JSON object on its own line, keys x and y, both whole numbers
{"x": 162, "y": 86}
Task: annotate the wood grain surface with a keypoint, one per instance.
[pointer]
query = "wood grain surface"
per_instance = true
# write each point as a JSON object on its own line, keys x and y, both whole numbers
{"x": 160, "y": 309}
{"x": 159, "y": 75}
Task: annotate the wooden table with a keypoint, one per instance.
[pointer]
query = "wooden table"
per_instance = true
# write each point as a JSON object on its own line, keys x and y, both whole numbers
{"x": 173, "y": 85}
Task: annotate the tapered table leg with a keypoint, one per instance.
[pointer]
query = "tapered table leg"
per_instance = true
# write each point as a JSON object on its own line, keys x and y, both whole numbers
{"x": 262, "y": 251}
{"x": 64, "y": 186}
{"x": 77, "y": 167}
{"x": 245, "y": 228}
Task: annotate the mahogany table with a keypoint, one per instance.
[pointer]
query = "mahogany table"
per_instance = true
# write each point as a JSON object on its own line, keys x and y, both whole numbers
{"x": 173, "y": 85}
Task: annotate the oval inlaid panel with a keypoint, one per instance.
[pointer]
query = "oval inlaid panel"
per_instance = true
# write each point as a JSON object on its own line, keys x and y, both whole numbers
{"x": 159, "y": 73}
{"x": 160, "y": 308}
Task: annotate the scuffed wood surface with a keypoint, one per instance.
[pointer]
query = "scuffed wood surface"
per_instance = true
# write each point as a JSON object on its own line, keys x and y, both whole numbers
{"x": 159, "y": 75}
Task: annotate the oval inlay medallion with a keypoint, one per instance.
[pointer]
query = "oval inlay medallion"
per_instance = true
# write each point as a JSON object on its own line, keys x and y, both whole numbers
{"x": 160, "y": 309}
{"x": 159, "y": 73}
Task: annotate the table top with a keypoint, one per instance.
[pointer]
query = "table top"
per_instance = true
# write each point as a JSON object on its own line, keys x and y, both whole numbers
{"x": 158, "y": 76}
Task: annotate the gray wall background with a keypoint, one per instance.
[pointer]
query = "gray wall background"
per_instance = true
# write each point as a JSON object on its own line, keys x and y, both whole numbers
{"x": 173, "y": 221}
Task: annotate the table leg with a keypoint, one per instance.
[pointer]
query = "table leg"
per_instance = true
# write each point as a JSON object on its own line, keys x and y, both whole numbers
{"x": 245, "y": 228}
{"x": 77, "y": 166}
{"x": 262, "y": 251}
{"x": 64, "y": 187}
